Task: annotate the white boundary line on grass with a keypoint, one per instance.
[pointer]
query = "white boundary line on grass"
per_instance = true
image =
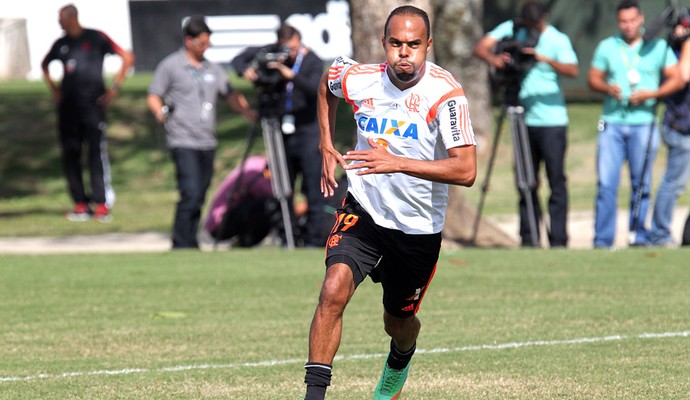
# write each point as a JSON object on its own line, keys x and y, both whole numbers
{"x": 503, "y": 346}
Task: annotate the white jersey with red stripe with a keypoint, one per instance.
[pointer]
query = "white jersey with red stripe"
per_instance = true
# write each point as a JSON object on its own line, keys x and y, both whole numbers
{"x": 421, "y": 122}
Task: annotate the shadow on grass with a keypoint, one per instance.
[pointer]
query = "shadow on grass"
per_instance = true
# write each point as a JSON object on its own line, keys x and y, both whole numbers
{"x": 34, "y": 211}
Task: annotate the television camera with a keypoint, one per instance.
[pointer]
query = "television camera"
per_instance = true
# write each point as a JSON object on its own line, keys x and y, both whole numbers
{"x": 269, "y": 77}
{"x": 670, "y": 17}
{"x": 269, "y": 85}
{"x": 510, "y": 77}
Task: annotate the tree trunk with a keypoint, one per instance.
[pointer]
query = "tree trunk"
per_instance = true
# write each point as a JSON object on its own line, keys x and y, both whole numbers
{"x": 456, "y": 29}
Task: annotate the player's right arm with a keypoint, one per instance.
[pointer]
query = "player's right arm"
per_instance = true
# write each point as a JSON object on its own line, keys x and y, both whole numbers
{"x": 327, "y": 105}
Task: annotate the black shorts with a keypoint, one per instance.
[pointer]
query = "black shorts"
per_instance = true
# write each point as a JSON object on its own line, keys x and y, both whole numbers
{"x": 403, "y": 263}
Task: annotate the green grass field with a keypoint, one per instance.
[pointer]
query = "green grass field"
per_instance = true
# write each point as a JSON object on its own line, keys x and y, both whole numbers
{"x": 497, "y": 324}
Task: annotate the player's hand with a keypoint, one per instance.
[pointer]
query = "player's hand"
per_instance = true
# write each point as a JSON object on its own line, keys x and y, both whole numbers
{"x": 250, "y": 74}
{"x": 378, "y": 160}
{"x": 614, "y": 91}
{"x": 530, "y": 51}
{"x": 499, "y": 61}
{"x": 57, "y": 95}
{"x": 107, "y": 97}
{"x": 640, "y": 96}
{"x": 330, "y": 159}
{"x": 250, "y": 115}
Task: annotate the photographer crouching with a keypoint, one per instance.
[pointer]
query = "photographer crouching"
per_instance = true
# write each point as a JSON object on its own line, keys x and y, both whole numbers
{"x": 529, "y": 55}
{"x": 287, "y": 76}
{"x": 676, "y": 135}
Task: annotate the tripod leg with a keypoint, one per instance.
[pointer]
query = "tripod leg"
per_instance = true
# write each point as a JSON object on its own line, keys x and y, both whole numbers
{"x": 524, "y": 169}
{"x": 489, "y": 169}
{"x": 280, "y": 178}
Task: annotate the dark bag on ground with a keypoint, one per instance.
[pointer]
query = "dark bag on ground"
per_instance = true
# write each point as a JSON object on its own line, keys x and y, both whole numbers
{"x": 249, "y": 221}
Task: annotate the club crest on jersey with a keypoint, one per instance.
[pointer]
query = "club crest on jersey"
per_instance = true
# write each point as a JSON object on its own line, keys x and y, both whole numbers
{"x": 412, "y": 103}
{"x": 386, "y": 126}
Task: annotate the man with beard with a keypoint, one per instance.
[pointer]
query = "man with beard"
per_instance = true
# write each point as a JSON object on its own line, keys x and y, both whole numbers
{"x": 627, "y": 69}
{"x": 414, "y": 137}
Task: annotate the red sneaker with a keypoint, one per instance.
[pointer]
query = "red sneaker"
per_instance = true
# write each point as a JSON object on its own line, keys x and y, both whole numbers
{"x": 102, "y": 213}
{"x": 81, "y": 212}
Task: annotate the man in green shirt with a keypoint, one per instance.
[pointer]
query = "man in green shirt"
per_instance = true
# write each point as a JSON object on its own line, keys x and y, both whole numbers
{"x": 628, "y": 69}
{"x": 545, "y": 115}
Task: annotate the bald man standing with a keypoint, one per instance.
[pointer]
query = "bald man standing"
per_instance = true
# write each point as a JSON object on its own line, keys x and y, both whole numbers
{"x": 81, "y": 100}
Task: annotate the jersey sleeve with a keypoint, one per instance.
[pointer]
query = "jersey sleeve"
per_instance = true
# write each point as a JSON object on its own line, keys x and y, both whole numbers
{"x": 502, "y": 31}
{"x": 599, "y": 59}
{"x": 161, "y": 80}
{"x": 223, "y": 86}
{"x": 566, "y": 54}
{"x": 336, "y": 72}
{"x": 51, "y": 55}
{"x": 669, "y": 57}
{"x": 454, "y": 121}
{"x": 109, "y": 46}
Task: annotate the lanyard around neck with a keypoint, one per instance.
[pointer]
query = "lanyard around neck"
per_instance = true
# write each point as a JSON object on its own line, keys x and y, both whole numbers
{"x": 290, "y": 87}
{"x": 196, "y": 73}
{"x": 624, "y": 47}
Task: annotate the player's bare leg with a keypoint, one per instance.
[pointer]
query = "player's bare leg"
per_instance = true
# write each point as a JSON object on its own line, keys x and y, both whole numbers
{"x": 403, "y": 333}
{"x": 326, "y": 329}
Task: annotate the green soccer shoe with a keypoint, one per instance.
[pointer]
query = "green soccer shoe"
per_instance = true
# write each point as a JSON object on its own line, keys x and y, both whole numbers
{"x": 391, "y": 383}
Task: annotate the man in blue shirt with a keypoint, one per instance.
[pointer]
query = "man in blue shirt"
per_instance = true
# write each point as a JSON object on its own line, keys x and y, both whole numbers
{"x": 627, "y": 69}
{"x": 546, "y": 115}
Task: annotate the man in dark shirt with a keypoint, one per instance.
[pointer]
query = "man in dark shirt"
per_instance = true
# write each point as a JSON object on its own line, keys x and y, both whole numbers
{"x": 81, "y": 100}
{"x": 291, "y": 85}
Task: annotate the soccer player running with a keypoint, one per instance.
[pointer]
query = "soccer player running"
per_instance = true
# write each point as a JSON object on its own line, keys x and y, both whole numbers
{"x": 414, "y": 137}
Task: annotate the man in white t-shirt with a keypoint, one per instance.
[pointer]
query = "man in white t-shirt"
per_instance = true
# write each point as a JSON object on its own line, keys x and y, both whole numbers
{"x": 414, "y": 137}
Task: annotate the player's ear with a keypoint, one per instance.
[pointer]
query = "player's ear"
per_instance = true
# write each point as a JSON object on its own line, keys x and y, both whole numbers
{"x": 428, "y": 44}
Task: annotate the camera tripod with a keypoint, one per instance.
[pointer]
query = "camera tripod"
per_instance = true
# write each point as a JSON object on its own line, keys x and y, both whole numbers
{"x": 524, "y": 169}
{"x": 280, "y": 178}
{"x": 269, "y": 123}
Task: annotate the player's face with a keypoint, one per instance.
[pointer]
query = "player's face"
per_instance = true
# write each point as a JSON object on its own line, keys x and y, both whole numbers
{"x": 406, "y": 45}
{"x": 65, "y": 19}
{"x": 630, "y": 22}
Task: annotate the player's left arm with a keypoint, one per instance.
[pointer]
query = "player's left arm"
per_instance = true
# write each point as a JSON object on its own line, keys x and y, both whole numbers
{"x": 460, "y": 168}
